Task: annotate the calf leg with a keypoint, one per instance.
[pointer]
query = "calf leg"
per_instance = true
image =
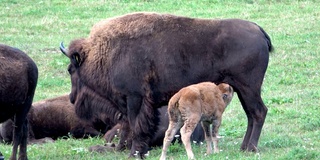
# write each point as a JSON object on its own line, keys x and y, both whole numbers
{"x": 215, "y": 133}
{"x": 207, "y": 134}
{"x": 169, "y": 135}
{"x": 187, "y": 129}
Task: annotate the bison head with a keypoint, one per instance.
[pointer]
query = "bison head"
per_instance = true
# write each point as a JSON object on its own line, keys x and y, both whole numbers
{"x": 75, "y": 54}
{"x": 88, "y": 104}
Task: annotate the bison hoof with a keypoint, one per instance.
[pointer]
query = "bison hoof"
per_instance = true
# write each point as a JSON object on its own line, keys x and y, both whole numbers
{"x": 120, "y": 147}
{"x": 249, "y": 148}
{"x": 100, "y": 148}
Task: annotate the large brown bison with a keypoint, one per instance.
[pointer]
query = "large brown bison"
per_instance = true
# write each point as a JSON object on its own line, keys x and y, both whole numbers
{"x": 56, "y": 118}
{"x": 138, "y": 61}
{"x": 93, "y": 107}
{"x": 18, "y": 81}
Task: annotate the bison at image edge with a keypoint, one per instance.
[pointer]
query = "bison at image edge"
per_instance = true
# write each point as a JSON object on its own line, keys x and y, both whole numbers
{"x": 18, "y": 81}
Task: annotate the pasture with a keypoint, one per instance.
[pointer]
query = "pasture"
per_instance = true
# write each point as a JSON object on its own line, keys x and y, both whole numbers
{"x": 290, "y": 90}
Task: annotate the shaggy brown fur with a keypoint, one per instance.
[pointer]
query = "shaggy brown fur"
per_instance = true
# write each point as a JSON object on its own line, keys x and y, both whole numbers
{"x": 203, "y": 102}
{"x": 54, "y": 118}
{"x": 91, "y": 107}
{"x": 138, "y": 61}
{"x": 18, "y": 81}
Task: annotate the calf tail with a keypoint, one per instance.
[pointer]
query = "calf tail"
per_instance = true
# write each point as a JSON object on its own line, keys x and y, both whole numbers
{"x": 173, "y": 108}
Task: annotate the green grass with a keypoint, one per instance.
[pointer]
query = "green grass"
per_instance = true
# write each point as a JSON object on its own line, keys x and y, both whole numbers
{"x": 290, "y": 90}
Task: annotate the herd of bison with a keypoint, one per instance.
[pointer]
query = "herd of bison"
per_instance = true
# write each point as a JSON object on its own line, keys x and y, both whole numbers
{"x": 129, "y": 78}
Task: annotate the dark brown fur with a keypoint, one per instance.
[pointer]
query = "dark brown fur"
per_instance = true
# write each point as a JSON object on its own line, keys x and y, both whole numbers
{"x": 138, "y": 61}
{"x": 55, "y": 118}
{"x": 18, "y": 81}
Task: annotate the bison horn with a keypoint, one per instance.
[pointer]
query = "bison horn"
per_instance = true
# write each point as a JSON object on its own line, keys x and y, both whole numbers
{"x": 63, "y": 49}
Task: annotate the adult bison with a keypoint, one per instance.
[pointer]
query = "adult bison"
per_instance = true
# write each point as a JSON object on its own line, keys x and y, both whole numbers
{"x": 18, "y": 81}
{"x": 138, "y": 61}
{"x": 65, "y": 120}
{"x": 55, "y": 118}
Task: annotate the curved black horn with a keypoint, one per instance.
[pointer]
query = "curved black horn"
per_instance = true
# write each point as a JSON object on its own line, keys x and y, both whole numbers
{"x": 63, "y": 49}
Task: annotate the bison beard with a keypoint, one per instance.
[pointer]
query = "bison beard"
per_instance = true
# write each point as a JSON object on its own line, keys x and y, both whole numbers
{"x": 91, "y": 107}
{"x": 138, "y": 61}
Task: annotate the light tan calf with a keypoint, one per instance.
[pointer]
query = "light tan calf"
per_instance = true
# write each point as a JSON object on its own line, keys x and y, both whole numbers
{"x": 203, "y": 102}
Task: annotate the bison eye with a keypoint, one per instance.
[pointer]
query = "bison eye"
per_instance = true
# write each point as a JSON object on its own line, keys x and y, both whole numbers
{"x": 76, "y": 59}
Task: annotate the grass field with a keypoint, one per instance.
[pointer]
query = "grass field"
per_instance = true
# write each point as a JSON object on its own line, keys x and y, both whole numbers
{"x": 290, "y": 90}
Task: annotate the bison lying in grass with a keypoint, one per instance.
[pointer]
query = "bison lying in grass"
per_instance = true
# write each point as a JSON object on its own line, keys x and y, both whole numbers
{"x": 138, "y": 61}
{"x": 18, "y": 81}
{"x": 55, "y": 118}
{"x": 203, "y": 102}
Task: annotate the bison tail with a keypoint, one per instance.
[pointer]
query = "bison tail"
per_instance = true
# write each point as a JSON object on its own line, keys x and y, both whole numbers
{"x": 268, "y": 39}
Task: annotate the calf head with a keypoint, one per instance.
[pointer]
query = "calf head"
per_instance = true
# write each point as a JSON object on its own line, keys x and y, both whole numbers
{"x": 227, "y": 92}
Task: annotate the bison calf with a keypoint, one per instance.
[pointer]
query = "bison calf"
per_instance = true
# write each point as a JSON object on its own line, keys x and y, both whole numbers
{"x": 18, "y": 81}
{"x": 203, "y": 102}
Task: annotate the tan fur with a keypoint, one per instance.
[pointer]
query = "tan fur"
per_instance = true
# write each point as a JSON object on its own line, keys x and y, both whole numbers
{"x": 203, "y": 102}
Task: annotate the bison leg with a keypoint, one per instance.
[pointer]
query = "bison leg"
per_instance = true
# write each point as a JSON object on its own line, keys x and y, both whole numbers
{"x": 109, "y": 136}
{"x": 125, "y": 137}
{"x": 20, "y": 132}
{"x": 256, "y": 113}
{"x": 169, "y": 135}
{"x": 143, "y": 120}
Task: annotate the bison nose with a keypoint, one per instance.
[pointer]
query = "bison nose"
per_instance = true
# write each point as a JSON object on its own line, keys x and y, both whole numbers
{"x": 72, "y": 99}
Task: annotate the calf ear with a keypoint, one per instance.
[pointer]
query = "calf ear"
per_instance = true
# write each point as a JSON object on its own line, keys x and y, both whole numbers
{"x": 230, "y": 89}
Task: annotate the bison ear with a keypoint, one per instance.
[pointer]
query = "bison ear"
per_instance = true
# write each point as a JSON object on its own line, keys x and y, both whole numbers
{"x": 77, "y": 59}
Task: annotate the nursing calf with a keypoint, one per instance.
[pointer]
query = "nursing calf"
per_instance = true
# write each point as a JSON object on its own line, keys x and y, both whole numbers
{"x": 203, "y": 102}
